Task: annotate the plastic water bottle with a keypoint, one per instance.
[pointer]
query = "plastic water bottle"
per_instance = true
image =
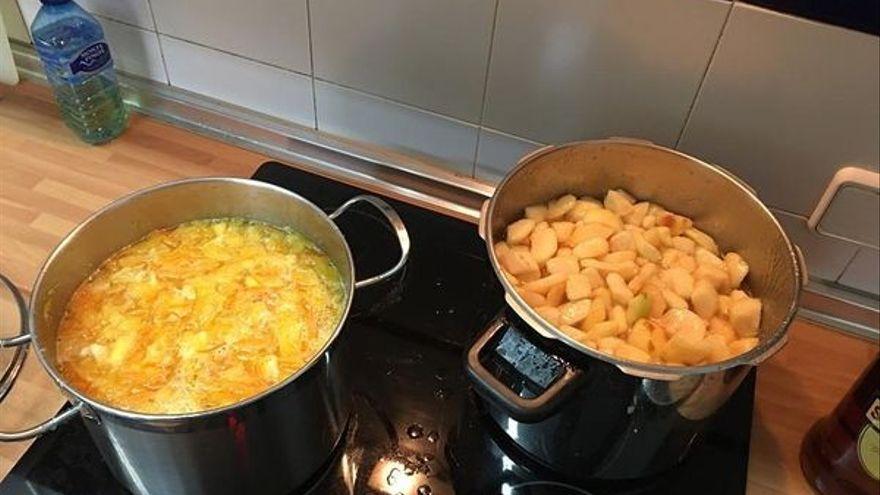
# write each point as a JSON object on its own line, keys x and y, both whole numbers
{"x": 77, "y": 62}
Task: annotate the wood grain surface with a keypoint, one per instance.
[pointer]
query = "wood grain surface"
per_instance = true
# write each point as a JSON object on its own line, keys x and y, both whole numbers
{"x": 49, "y": 181}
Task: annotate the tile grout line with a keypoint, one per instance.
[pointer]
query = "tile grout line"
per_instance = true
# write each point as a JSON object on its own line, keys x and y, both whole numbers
{"x": 312, "y": 62}
{"x": 848, "y": 263}
{"x": 485, "y": 88}
{"x": 159, "y": 42}
{"x": 319, "y": 79}
{"x": 408, "y": 106}
{"x": 705, "y": 76}
{"x": 312, "y": 76}
{"x": 125, "y": 23}
{"x": 233, "y": 54}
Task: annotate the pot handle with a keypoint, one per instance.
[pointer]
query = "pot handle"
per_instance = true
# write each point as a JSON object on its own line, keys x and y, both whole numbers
{"x": 23, "y": 337}
{"x": 44, "y": 427}
{"x": 20, "y": 341}
{"x": 483, "y": 226}
{"x": 12, "y": 372}
{"x": 802, "y": 264}
{"x": 490, "y": 387}
{"x": 396, "y": 224}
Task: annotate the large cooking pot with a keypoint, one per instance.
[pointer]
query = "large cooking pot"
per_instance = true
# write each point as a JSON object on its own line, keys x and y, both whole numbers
{"x": 269, "y": 443}
{"x": 591, "y": 415}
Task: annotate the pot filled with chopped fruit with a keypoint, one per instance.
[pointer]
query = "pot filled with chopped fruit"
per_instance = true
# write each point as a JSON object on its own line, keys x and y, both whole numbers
{"x": 643, "y": 286}
{"x": 195, "y": 327}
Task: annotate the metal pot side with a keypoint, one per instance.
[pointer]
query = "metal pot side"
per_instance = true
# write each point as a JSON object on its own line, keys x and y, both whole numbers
{"x": 720, "y": 205}
{"x": 269, "y": 443}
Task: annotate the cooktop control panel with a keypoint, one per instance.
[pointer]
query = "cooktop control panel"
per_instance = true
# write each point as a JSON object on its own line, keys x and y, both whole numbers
{"x": 520, "y": 364}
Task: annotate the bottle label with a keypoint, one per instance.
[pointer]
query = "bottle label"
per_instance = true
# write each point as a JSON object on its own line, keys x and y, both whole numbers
{"x": 91, "y": 59}
{"x": 868, "y": 447}
{"x": 873, "y": 413}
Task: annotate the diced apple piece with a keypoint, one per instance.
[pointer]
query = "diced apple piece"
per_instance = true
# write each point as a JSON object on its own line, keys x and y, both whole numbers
{"x": 677, "y": 224}
{"x": 737, "y": 268}
{"x": 544, "y": 244}
{"x": 684, "y": 244}
{"x": 563, "y": 264}
{"x": 519, "y": 231}
{"x": 640, "y": 336}
{"x": 604, "y": 217}
{"x": 638, "y": 307}
{"x": 618, "y": 202}
{"x": 620, "y": 293}
{"x": 618, "y": 315}
{"x": 702, "y": 239}
{"x": 602, "y": 329}
{"x": 577, "y": 287}
{"x": 683, "y": 320}
{"x": 679, "y": 280}
{"x": 745, "y": 316}
{"x": 585, "y": 231}
{"x": 631, "y": 353}
{"x": 596, "y": 279}
{"x": 622, "y": 241}
{"x": 718, "y": 350}
{"x": 533, "y": 299}
{"x": 556, "y": 295}
{"x": 537, "y": 213}
{"x": 646, "y": 271}
{"x": 518, "y": 262}
{"x": 543, "y": 285}
{"x": 722, "y": 328}
{"x": 563, "y": 230}
{"x": 549, "y": 313}
{"x": 572, "y": 313}
{"x": 742, "y": 346}
{"x": 704, "y": 299}
{"x": 718, "y": 277}
{"x": 608, "y": 345}
{"x": 637, "y": 214}
{"x": 559, "y": 207}
{"x": 591, "y": 248}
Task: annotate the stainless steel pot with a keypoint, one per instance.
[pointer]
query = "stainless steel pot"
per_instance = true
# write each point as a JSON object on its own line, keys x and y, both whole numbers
{"x": 268, "y": 443}
{"x": 607, "y": 417}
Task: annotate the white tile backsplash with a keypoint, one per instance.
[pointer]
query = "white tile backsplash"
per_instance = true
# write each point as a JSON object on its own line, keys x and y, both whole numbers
{"x": 497, "y": 153}
{"x": 854, "y": 213}
{"x": 271, "y": 31}
{"x": 786, "y": 103}
{"x": 28, "y": 10}
{"x": 136, "y": 12}
{"x": 863, "y": 272}
{"x": 263, "y": 88}
{"x": 135, "y": 51}
{"x": 826, "y": 257}
{"x": 363, "y": 117}
{"x": 566, "y": 70}
{"x": 15, "y": 25}
{"x": 422, "y": 52}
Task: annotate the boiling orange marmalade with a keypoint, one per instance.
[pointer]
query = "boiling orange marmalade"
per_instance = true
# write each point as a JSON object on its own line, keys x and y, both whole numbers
{"x": 199, "y": 316}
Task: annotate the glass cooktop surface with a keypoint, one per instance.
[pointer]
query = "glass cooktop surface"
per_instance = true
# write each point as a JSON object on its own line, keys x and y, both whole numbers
{"x": 417, "y": 427}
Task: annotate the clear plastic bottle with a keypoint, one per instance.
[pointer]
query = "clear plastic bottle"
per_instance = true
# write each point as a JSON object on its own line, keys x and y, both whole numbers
{"x": 77, "y": 62}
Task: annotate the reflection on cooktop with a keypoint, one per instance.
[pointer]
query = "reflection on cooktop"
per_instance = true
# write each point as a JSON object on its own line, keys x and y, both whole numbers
{"x": 417, "y": 429}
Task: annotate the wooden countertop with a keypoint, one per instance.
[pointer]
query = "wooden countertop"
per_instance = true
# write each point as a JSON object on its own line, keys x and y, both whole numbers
{"x": 49, "y": 181}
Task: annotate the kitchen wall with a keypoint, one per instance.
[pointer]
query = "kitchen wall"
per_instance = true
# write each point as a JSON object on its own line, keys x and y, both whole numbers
{"x": 472, "y": 85}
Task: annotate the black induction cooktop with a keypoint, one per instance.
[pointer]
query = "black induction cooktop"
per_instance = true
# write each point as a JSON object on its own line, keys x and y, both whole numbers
{"x": 417, "y": 428}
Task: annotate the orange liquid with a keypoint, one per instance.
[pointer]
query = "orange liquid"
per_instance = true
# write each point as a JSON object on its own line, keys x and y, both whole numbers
{"x": 199, "y": 316}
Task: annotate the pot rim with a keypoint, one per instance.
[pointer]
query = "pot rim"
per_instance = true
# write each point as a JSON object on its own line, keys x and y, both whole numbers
{"x": 764, "y": 349}
{"x": 105, "y": 408}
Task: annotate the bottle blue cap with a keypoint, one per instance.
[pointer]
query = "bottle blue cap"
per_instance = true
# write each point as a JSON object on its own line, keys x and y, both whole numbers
{"x": 53, "y": 2}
